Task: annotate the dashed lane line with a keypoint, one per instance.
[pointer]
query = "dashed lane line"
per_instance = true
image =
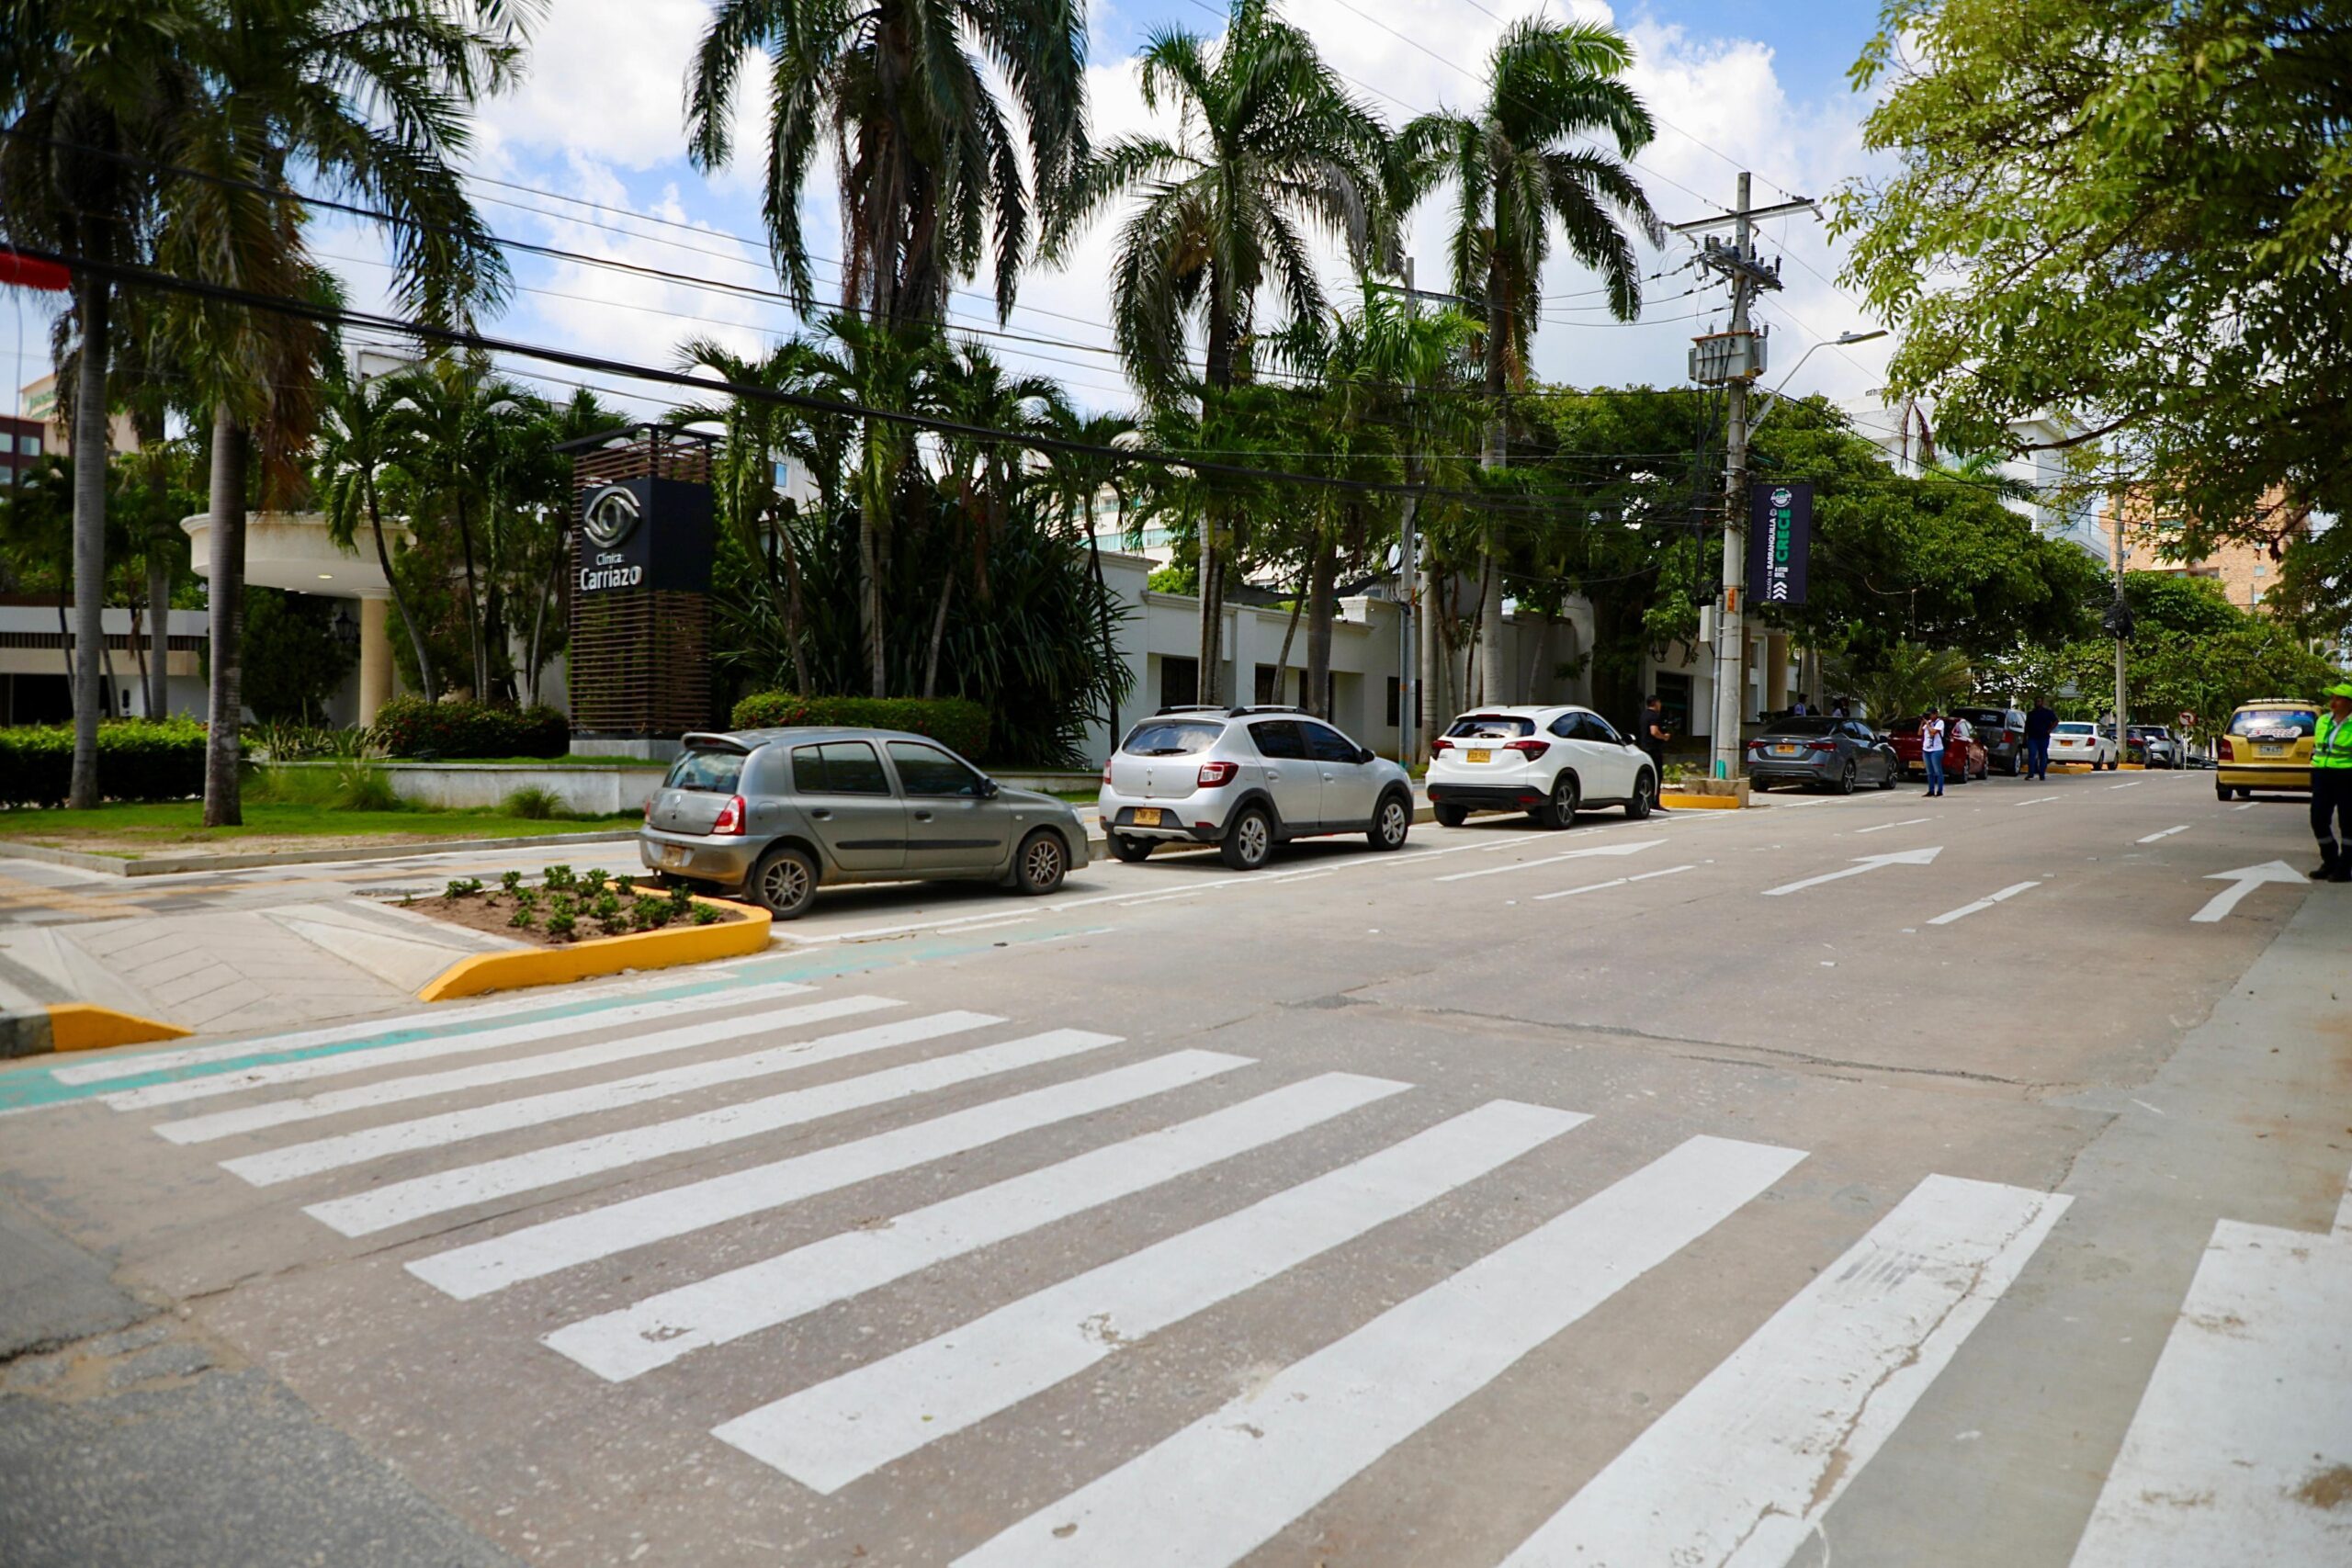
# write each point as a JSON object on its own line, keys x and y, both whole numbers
{"x": 1948, "y": 915}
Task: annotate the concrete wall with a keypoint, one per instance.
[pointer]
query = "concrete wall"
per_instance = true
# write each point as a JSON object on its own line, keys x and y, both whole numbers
{"x": 602, "y": 791}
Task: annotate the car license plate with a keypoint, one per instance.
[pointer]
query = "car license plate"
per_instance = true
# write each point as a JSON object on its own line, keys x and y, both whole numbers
{"x": 2272, "y": 751}
{"x": 1482, "y": 756}
{"x": 1147, "y": 816}
{"x": 675, "y": 855}
{"x": 1784, "y": 750}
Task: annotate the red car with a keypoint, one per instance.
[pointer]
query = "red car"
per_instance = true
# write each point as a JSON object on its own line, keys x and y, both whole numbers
{"x": 1963, "y": 760}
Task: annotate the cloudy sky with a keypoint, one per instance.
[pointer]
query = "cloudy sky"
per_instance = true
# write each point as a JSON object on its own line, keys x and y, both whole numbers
{"x": 587, "y": 156}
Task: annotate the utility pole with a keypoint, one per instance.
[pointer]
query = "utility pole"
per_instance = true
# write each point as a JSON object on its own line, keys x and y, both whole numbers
{"x": 1732, "y": 360}
{"x": 1408, "y": 575}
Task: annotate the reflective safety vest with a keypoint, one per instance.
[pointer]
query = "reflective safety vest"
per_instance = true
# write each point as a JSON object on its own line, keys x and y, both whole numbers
{"x": 2332, "y": 742}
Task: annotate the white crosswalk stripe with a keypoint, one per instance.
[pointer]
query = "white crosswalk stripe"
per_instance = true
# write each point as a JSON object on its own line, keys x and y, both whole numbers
{"x": 481, "y": 1266}
{"x": 659, "y": 1329}
{"x": 379, "y": 1208}
{"x": 435, "y": 1048}
{"x": 1230, "y": 1481}
{"x": 535, "y": 1111}
{"x": 829, "y": 1435}
{"x": 1738, "y": 1472}
{"x": 425, "y": 1085}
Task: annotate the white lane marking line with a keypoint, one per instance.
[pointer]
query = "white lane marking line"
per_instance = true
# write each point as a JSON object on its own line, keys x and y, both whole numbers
{"x": 2011, "y": 891}
{"x": 2167, "y": 833}
{"x": 983, "y": 923}
{"x": 2248, "y": 806}
{"x": 2128, "y": 784}
{"x": 1613, "y": 882}
{"x": 1159, "y": 897}
{"x": 1882, "y": 827}
{"x": 424, "y": 1086}
{"x": 1631, "y": 846}
{"x": 292, "y": 1160}
{"x": 2250, "y": 1403}
{"x": 379, "y": 1208}
{"x": 1232, "y": 1480}
{"x": 1739, "y": 1469}
{"x": 1862, "y": 863}
{"x": 480, "y": 1267}
{"x": 830, "y": 1433}
{"x": 2243, "y": 881}
{"x": 347, "y": 1033}
{"x": 2034, "y": 800}
{"x": 654, "y": 1331}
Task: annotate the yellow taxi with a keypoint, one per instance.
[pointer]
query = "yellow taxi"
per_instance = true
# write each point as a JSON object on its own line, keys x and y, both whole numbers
{"x": 2266, "y": 746}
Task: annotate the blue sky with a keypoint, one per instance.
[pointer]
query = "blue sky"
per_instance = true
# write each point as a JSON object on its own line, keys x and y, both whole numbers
{"x": 598, "y": 122}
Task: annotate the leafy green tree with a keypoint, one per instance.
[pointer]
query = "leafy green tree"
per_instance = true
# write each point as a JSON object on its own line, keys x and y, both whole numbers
{"x": 358, "y": 459}
{"x": 930, "y": 171}
{"x": 2133, "y": 214}
{"x": 1517, "y": 171}
{"x": 294, "y": 660}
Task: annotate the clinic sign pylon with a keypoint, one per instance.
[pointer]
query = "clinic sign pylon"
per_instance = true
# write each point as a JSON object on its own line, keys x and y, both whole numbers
{"x": 1779, "y": 542}
{"x": 642, "y": 543}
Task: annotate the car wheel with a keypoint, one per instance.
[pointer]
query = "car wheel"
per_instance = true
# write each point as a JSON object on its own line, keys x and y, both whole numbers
{"x": 1560, "y": 811}
{"x": 1392, "y": 819}
{"x": 1450, "y": 815}
{"x": 1132, "y": 851}
{"x": 1250, "y": 840}
{"x": 2221, "y": 792}
{"x": 1644, "y": 796}
{"x": 1845, "y": 778}
{"x": 1042, "y": 863}
{"x": 783, "y": 883}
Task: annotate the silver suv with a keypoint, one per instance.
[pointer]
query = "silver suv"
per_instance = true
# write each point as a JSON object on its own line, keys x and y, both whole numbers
{"x": 1246, "y": 779}
{"x": 776, "y": 812}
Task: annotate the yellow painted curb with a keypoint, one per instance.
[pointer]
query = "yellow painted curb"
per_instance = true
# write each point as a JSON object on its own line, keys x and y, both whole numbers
{"x": 664, "y": 949}
{"x": 1674, "y": 800}
{"x": 84, "y": 1026}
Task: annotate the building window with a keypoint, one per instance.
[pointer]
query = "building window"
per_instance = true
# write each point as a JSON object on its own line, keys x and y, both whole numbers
{"x": 1266, "y": 686}
{"x": 28, "y": 445}
{"x": 2260, "y": 569}
{"x": 1396, "y": 700}
{"x": 1180, "y": 681}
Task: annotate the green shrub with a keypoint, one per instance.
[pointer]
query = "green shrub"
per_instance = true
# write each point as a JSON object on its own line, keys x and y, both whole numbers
{"x": 465, "y": 887}
{"x": 562, "y": 921}
{"x": 511, "y": 881}
{"x": 408, "y": 726}
{"x": 956, "y": 723}
{"x": 557, "y": 879}
{"x": 357, "y": 787}
{"x": 534, "y": 803}
{"x": 593, "y": 881}
{"x": 139, "y": 758}
{"x": 706, "y": 913}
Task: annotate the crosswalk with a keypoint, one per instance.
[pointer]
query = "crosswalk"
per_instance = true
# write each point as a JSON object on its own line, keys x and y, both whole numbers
{"x": 1741, "y": 1469}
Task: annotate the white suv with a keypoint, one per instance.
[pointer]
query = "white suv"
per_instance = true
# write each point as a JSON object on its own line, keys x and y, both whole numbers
{"x": 1546, "y": 761}
{"x": 1246, "y": 779}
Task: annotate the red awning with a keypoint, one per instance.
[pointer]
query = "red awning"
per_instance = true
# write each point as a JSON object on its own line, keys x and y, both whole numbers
{"x": 25, "y": 272}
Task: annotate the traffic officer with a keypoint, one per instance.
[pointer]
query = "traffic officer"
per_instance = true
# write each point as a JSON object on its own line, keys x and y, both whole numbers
{"x": 2332, "y": 785}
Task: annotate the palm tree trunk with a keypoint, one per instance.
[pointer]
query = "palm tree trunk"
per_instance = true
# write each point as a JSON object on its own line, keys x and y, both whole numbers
{"x": 869, "y": 601}
{"x": 159, "y": 632}
{"x": 89, "y": 532}
{"x": 400, "y": 600}
{"x": 1212, "y": 620}
{"x": 1290, "y": 630}
{"x": 938, "y": 635}
{"x": 223, "y": 808}
{"x": 1492, "y": 456}
{"x": 65, "y": 647}
{"x": 138, "y": 647}
{"x": 1110, "y": 639}
{"x": 473, "y": 605}
{"x": 1321, "y": 578}
{"x": 1540, "y": 637}
{"x": 1428, "y": 633}
{"x": 794, "y": 611}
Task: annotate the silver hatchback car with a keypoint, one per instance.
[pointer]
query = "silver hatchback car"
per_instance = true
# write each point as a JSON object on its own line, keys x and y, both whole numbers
{"x": 1246, "y": 779}
{"x": 776, "y": 813}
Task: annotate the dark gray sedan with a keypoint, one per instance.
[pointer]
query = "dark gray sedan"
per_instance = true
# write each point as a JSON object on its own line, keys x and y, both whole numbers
{"x": 776, "y": 812}
{"x": 1822, "y": 753}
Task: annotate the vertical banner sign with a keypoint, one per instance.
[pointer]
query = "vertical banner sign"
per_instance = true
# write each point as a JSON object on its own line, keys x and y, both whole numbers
{"x": 1779, "y": 539}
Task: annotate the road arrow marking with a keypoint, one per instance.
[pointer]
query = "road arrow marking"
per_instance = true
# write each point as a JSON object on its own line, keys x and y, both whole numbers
{"x": 2245, "y": 879}
{"x": 1867, "y": 862}
{"x": 1629, "y": 847}
{"x": 2167, "y": 833}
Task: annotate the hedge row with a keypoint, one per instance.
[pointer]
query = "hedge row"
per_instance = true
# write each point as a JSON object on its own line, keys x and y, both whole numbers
{"x": 138, "y": 759}
{"x": 956, "y": 723}
{"x": 410, "y": 727}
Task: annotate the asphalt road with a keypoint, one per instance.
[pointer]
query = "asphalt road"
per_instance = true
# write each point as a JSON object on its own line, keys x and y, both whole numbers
{"x": 1875, "y": 1181}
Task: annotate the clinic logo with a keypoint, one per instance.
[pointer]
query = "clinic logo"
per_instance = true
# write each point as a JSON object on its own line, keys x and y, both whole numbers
{"x": 609, "y": 516}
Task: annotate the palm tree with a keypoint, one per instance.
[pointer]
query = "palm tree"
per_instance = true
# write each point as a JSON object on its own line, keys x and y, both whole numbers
{"x": 928, "y": 170}
{"x": 92, "y": 92}
{"x": 980, "y": 476}
{"x": 1079, "y": 479}
{"x": 1268, "y": 148}
{"x": 1516, "y": 173}
{"x": 358, "y": 457}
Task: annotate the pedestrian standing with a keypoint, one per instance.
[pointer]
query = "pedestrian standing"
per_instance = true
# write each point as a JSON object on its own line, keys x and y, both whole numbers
{"x": 1962, "y": 734}
{"x": 2332, "y": 785}
{"x": 2039, "y": 724}
{"x": 1652, "y": 735}
{"x": 1931, "y": 749}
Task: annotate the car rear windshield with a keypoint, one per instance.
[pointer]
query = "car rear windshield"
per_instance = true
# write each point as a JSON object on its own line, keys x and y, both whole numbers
{"x": 2293, "y": 723}
{"x": 1989, "y": 719}
{"x": 1491, "y": 726}
{"x": 1163, "y": 739}
{"x": 1802, "y": 725}
{"x": 717, "y": 772}
{"x": 2075, "y": 729}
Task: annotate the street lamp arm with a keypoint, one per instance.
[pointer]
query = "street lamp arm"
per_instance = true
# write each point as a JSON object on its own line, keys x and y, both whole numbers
{"x": 1773, "y": 398}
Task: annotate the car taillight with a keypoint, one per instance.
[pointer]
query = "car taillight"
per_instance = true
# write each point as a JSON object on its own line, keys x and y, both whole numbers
{"x": 1440, "y": 744}
{"x": 1107, "y": 775}
{"x": 649, "y": 809}
{"x": 1528, "y": 748}
{"x": 1824, "y": 744}
{"x": 2009, "y": 737}
{"x": 2229, "y": 753}
{"x": 1756, "y": 745}
{"x": 1214, "y": 774}
{"x": 730, "y": 817}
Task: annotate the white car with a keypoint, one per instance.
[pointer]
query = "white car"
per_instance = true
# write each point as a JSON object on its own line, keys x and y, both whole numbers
{"x": 2076, "y": 742}
{"x": 1546, "y": 761}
